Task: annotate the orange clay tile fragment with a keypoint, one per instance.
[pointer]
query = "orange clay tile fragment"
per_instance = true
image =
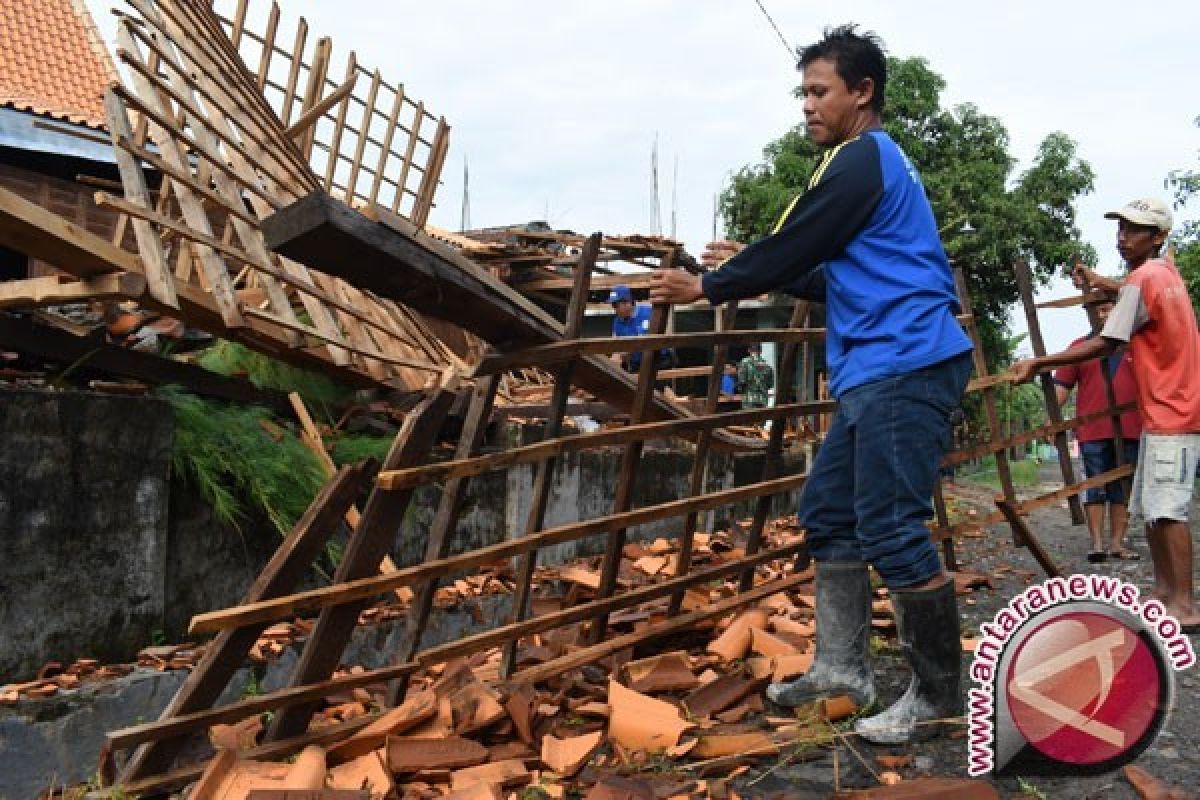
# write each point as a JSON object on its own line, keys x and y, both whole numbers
{"x": 365, "y": 772}
{"x": 734, "y": 643}
{"x": 411, "y": 754}
{"x": 308, "y": 770}
{"x": 663, "y": 673}
{"x": 239, "y": 736}
{"x": 789, "y": 666}
{"x": 837, "y": 708}
{"x": 729, "y": 744}
{"x": 894, "y": 762}
{"x": 498, "y": 773}
{"x": 1149, "y": 787}
{"x": 769, "y": 645}
{"x": 638, "y": 722}
{"x": 415, "y": 710}
{"x": 567, "y": 756}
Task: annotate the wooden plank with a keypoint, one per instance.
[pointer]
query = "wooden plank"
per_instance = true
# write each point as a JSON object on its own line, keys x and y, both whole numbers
{"x": 989, "y": 397}
{"x": 318, "y": 76}
{"x": 173, "y": 727}
{"x": 385, "y": 149}
{"x": 1041, "y": 501}
{"x": 306, "y": 123}
{"x": 177, "y": 778}
{"x": 56, "y": 290}
{"x": 371, "y": 542}
{"x": 773, "y": 461}
{"x": 543, "y": 355}
{"x": 364, "y": 134}
{"x": 300, "y": 327}
{"x": 542, "y": 480}
{"x": 627, "y": 472}
{"x": 423, "y": 203}
{"x": 335, "y": 142}
{"x": 590, "y": 655}
{"x": 1040, "y": 432}
{"x": 154, "y": 260}
{"x": 1023, "y": 532}
{"x": 406, "y": 162}
{"x": 351, "y": 591}
{"x": 268, "y": 45}
{"x": 226, "y": 653}
{"x": 484, "y": 640}
{"x": 24, "y": 335}
{"x": 441, "y": 530}
{"x": 289, "y": 94}
{"x": 395, "y": 260}
{"x": 532, "y": 453}
{"x": 698, "y": 481}
{"x": 1053, "y": 411}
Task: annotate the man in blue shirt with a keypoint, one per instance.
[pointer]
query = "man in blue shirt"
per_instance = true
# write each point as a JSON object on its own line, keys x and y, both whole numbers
{"x": 632, "y": 319}
{"x": 863, "y": 240}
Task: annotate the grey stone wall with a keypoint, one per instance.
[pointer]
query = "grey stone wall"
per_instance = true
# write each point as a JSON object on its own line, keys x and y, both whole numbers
{"x": 83, "y": 511}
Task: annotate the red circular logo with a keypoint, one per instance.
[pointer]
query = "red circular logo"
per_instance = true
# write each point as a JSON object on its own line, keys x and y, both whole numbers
{"x": 1083, "y": 688}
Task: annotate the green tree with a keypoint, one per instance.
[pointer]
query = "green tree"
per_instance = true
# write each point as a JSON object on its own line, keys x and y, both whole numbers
{"x": 964, "y": 160}
{"x": 1186, "y": 185}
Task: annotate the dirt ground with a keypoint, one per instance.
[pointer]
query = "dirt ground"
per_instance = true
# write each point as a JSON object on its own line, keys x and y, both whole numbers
{"x": 1173, "y": 758}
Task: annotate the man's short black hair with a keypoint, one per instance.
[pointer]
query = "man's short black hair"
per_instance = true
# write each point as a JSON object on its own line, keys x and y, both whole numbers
{"x": 855, "y": 55}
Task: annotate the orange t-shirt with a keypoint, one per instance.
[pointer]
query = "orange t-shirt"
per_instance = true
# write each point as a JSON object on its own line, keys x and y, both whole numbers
{"x": 1154, "y": 314}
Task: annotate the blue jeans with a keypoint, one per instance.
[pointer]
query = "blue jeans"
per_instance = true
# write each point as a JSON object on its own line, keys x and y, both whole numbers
{"x": 1100, "y": 456}
{"x": 869, "y": 492}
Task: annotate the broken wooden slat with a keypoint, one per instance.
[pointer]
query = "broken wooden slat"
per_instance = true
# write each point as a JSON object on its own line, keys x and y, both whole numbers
{"x": 1050, "y": 396}
{"x": 627, "y": 472}
{"x": 55, "y": 290}
{"x": 536, "y": 518}
{"x": 370, "y": 543}
{"x": 682, "y": 622}
{"x": 535, "y": 452}
{"x": 350, "y": 591}
{"x": 437, "y": 546}
{"x": 228, "y": 650}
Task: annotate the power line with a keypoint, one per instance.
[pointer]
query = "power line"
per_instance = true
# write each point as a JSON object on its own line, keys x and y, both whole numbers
{"x": 790, "y": 50}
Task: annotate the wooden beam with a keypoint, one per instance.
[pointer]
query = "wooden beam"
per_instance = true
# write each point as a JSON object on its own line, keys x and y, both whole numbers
{"x": 299, "y": 129}
{"x": 542, "y": 355}
{"x": 227, "y": 652}
{"x": 350, "y": 591}
{"x": 396, "y": 260}
{"x": 441, "y": 531}
{"x": 53, "y": 290}
{"x": 38, "y": 232}
{"x": 532, "y": 453}
{"x": 1049, "y": 394}
{"x": 1023, "y": 532}
{"x": 590, "y": 655}
{"x": 370, "y": 543}
{"x": 536, "y": 519}
{"x": 25, "y": 336}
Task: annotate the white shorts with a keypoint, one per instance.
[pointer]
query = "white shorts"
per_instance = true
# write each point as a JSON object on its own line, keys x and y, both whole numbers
{"x": 1165, "y": 476}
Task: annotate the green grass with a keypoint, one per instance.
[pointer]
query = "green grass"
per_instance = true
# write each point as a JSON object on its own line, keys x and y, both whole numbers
{"x": 227, "y": 454}
{"x": 1025, "y": 472}
{"x": 320, "y": 394}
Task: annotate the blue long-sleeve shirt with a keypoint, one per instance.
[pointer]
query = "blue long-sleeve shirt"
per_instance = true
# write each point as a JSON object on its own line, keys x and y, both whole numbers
{"x": 864, "y": 233}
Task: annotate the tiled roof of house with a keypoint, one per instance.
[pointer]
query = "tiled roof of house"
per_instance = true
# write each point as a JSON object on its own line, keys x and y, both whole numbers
{"x": 52, "y": 60}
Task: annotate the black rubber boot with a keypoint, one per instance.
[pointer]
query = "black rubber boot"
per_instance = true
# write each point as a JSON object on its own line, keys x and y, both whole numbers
{"x": 927, "y": 625}
{"x": 842, "y": 664}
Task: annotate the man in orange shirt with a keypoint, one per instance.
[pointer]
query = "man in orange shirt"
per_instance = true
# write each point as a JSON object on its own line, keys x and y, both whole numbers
{"x": 1154, "y": 316}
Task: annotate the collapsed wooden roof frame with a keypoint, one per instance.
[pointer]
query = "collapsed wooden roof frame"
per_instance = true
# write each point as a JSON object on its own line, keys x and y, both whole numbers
{"x": 195, "y": 112}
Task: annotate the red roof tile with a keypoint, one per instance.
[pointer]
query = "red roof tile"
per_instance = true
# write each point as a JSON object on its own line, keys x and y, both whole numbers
{"x": 52, "y": 60}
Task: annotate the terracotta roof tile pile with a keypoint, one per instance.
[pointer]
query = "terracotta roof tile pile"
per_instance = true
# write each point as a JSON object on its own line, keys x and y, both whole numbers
{"x": 52, "y": 61}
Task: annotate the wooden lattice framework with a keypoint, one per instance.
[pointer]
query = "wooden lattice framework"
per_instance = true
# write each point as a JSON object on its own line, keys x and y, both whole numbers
{"x": 408, "y": 467}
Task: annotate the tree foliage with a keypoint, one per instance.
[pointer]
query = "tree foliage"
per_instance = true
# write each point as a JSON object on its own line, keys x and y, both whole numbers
{"x": 1185, "y": 183}
{"x": 964, "y": 159}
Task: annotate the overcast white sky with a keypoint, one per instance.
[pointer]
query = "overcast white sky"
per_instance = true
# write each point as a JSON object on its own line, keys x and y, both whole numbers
{"x": 557, "y": 104}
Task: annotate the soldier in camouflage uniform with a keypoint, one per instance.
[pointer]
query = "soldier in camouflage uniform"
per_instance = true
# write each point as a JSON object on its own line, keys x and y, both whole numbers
{"x": 756, "y": 378}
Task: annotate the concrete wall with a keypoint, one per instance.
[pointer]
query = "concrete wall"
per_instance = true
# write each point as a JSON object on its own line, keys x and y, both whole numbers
{"x": 100, "y": 551}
